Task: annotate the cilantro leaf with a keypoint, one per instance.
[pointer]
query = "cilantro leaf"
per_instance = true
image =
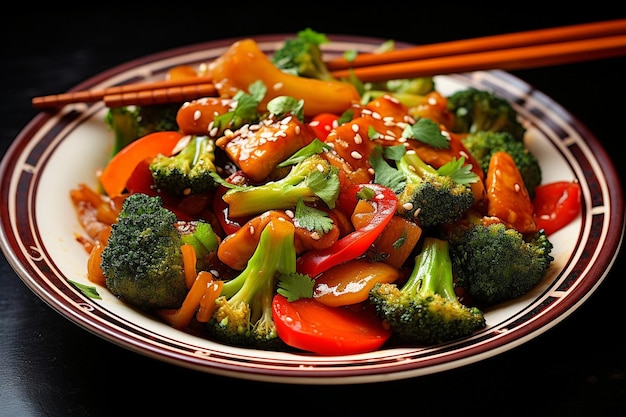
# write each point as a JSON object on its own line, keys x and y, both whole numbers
{"x": 282, "y": 105}
{"x": 295, "y": 286}
{"x": 315, "y": 147}
{"x": 460, "y": 172}
{"x": 88, "y": 290}
{"x": 325, "y": 186}
{"x": 312, "y": 219}
{"x": 372, "y": 133}
{"x": 385, "y": 174}
{"x": 427, "y": 131}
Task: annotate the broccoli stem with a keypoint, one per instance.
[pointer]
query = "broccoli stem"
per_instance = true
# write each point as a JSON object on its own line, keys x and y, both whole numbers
{"x": 243, "y": 314}
{"x": 433, "y": 273}
{"x": 310, "y": 179}
{"x": 275, "y": 253}
{"x": 271, "y": 196}
{"x": 412, "y": 163}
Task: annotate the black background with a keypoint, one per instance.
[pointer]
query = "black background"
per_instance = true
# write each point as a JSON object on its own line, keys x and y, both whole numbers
{"x": 51, "y": 367}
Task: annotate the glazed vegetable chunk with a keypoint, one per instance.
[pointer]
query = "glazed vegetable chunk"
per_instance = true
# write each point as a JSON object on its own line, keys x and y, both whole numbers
{"x": 258, "y": 148}
{"x": 197, "y": 117}
{"x": 380, "y": 122}
{"x": 482, "y": 145}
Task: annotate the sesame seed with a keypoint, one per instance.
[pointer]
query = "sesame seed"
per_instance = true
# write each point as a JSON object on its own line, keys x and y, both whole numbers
{"x": 356, "y": 155}
{"x": 197, "y": 115}
{"x": 251, "y": 229}
{"x": 407, "y": 206}
{"x": 315, "y": 236}
{"x": 358, "y": 139}
{"x": 355, "y": 127}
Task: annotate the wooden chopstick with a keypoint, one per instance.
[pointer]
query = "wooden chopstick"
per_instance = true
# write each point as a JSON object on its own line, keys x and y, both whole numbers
{"x": 485, "y": 43}
{"x": 513, "y": 51}
{"x": 173, "y": 94}
{"x": 151, "y": 93}
{"x": 505, "y": 59}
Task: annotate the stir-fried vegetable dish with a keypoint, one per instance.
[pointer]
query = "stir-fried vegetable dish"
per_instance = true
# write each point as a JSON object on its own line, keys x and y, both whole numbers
{"x": 299, "y": 212}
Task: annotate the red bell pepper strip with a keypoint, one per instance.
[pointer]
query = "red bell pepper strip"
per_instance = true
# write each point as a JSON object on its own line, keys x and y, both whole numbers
{"x": 556, "y": 204}
{"x": 314, "y": 327}
{"x": 121, "y": 167}
{"x": 140, "y": 180}
{"x": 323, "y": 123}
{"x": 356, "y": 243}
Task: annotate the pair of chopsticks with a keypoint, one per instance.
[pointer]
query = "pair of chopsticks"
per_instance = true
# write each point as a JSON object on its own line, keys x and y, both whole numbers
{"x": 513, "y": 51}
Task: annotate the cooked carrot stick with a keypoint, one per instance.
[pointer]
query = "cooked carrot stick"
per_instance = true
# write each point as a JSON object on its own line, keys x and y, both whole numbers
{"x": 181, "y": 317}
{"x": 189, "y": 263}
{"x": 207, "y": 302}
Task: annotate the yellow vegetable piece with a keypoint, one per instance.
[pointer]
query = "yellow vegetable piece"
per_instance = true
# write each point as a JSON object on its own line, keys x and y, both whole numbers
{"x": 244, "y": 63}
{"x": 351, "y": 282}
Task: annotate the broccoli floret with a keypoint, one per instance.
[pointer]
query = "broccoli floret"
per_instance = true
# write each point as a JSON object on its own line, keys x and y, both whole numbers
{"x": 495, "y": 263}
{"x": 426, "y": 310}
{"x": 142, "y": 261}
{"x": 243, "y": 314}
{"x": 302, "y": 56}
{"x": 483, "y": 144}
{"x": 189, "y": 171}
{"x": 311, "y": 179}
{"x": 475, "y": 110}
{"x": 132, "y": 122}
{"x": 434, "y": 196}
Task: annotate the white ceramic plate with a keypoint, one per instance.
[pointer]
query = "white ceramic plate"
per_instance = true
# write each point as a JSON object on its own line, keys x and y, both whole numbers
{"x": 58, "y": 150}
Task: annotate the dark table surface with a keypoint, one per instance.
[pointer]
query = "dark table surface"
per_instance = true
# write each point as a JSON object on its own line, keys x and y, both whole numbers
{"x": 52, "y": 367}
